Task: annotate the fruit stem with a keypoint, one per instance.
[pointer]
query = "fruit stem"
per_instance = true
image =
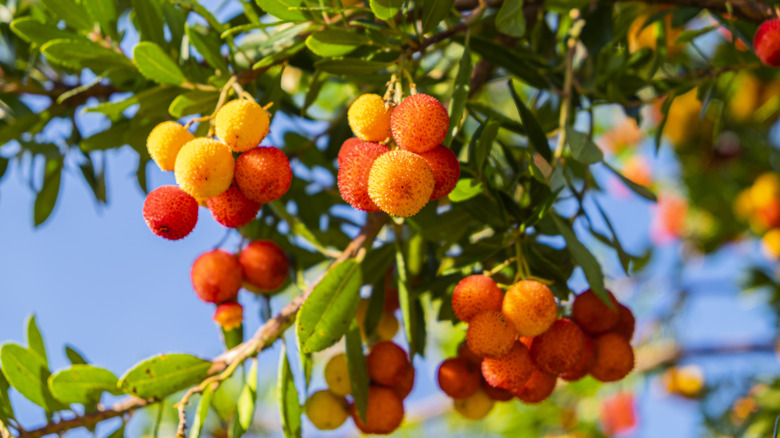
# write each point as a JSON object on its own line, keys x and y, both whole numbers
{"x": 499, "y": 267}
{"x": 571, "y": 44}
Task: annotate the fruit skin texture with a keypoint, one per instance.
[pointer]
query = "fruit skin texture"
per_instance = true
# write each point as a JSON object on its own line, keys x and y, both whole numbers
{"x": 538, "y": 387}
{"x": 387, "y": 363}
{"x": 400, "y": 183}
{"x": 531, "y": 307}
{"x": 369, "y": 118}
{"x": 384, "y": 413}
{"x": 348, "y": 146}
{"x": 458, "y": 377}
{"x": 232, "y": 209}
{"x": 614, "y": 358}
{"x": 560, "y": 348}
{"x": 337, "y": 375}
{"x": 490, "y": 335}
{"x": 229, "y": 315}
{"x": 263, "y": 174}
{"x": 326, "y": 410}
{"x": 354, "y": 169}
{"x": 242, "y": 124}
{"x": 446, "y": 170}
{"x": 405, "y": 386}
{"x": 767, "y": 42}
{"x": 170, "y": 212}
{"x": 475, "y": 294}
{"x": 419, "y": 123}
{"x": 510, "y": 371}
{"x": 476, "y": 407}
{"x": 592, "y": 315}
{"x": 204, "y": 168}
{"x": 626, "y": 322}
{"x": 216, "y": 276}
{"x": 582, "y": 368}
{"x": 264, "y": 266}
{"x": 165, "y": 142}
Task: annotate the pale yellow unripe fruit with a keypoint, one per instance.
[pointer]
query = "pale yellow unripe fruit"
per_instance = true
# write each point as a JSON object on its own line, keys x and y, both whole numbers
{"x": 369, "y": 118}
{"x": 165, "y": 141}
{"x": 475, "y": 407}
{"x": 326, "y": 410}
{"x": 337, "y": 375}
{"x": 204, "y": 168}
{"x": 242, "y": 124}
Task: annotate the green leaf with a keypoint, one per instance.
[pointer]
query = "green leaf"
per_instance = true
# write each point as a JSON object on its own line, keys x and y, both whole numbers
{"x": 69, "y": 10}
{"x": 193, "y": 102}
{"x": 408, "y": 305}
{"x": 460, "y": 94}
{"x": 465, "y": 189}
{"x": 296, "y": 226}
{"x": 47, "y": 197}
{"x": 6, "y": 408}
{"x": 26, "y": 371}
{"x": 149, "y": 21}
{"x": 358, "y": 370}
{"x": 245, "y": 406}
{"x": 163, "y": 375}
{"x": 202, "y": 411}
{"x": 590, "y": 266}
{"x": 203, "y": 12}
{"x": 155, "y": 64}
{"x": 510, "y": 19}
{"x": 335, "y": 42}
{"x": 636, "y": 188}
{"x": 350, "y": 66}
{"x": 533, "y": 129}
{"x": 386, "y": 9}
{"x": 690, "y": 35}
{"x": 35, "y": 340}
{"x": 3, "y": 166}
{"x": 283, "y": 9}
{"x": 104, "y": 13}
{"x": 209, "y": 46}
{"x": 74, "y": 356}
{"x": 485, "y": 143}
{"x": 37, "y": 33}
{"x": 83, "y": 53}
{"x": 82, "y": 384}
{"x": 583, "y": 149}
{"x": 433, "y": 11}
{"x": 289, "y": 405}
{"x": 326, "y": 314}
{"x": 118, "y": 433}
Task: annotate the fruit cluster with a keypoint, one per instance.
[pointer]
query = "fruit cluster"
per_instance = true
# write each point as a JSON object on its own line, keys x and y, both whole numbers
{"x": 517, "y": 346}
{"x": 207, "y": 174}
{"x": 759, "y": 205}
{"x": 392, "y": 380}
{"x": 373, "y": 178}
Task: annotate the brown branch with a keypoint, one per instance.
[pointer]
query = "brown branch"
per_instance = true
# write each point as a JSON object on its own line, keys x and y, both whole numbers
{"x": 661, "y": 354}
{"x": 118, "y": 410}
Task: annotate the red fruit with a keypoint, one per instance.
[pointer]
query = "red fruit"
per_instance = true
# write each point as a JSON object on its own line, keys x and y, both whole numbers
{"x": 475, "y": 294}
{"x": 387, "y": 363}
{"x": 350, "y": 145}
{"x": 767, "y": 42}
{"x": 582, "y": 368}
{"x": 459, "y": 378}
{"x": 538, "y": 387}
{"x": 446, "y": 170}
{"x": 560, "y": 348}
{"x": 497, "y": 394}
{"x": 465, "y": 352}
{"x": 618, "y": 413}
{"x": 263, "y": 174}
{"x": 419, "y": 123}
{"x": 405, "y": 386}
{"x": 229, "y": 315}
{"x": 626, "y": 323}
{"x": 170, "y": 212}
{"x": 353, "y": 174}
{"x": 232, "y": 209}
{"x": 216, "y": 276}
{"x": 384, "y": 413}
{"x": 510, "y": 371}
{"x": 264, "y": 266}
{"x": 592, "y": 315}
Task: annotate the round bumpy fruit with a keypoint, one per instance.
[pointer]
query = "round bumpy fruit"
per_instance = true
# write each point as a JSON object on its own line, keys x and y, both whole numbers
{"x": 446, "y": 170}
{"x": 337, "y": 375}
{"x": 354, "y": 168}
{"x": 387, "y": 363}
{"x": 229, "y": 315}
{"x": 242, "y": 124}
{"x": 767, "y": 42}
{"x": 475, "y": 294}
{"x": 348, "y": 146}
{"x": 326, "y": 410}
{"x": 592, "y": 315}
{"x": 384, "y": 413}
{"x": 582, "y": 368}
{"x": 264, "y": 266}
{"x": 510, "y": 371}
{"x": 165, "y": 141}
{"x": 476, "y": 407}
{"x": 614, "y": 358}
{"x": 263, "y": 174}
{"x": 465, "y": 352}
{"x": 170, "y": 212}
{"x": 216, "y": 276}
{"x": 232, "y": 209}
{"x": 400, "y": 183}
{"x": 560, "y": 348}
{"x": 369, "y": 118}
{"x": 204, "y": 168}
{"x": 405, "y": 386}
{"x": 497, "y": 394}
{"x": 490, "y": 335}
{"x": 538, "y": 387}
{"x": 626, "y": 322}
{"x": 458, "y": 377}
{"x": 531, "y": 307}
{"x": 419, "y": 123}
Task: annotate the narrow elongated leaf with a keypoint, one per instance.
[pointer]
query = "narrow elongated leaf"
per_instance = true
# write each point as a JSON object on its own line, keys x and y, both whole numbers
{"x": 386, "y": 9}
{"x": 209, "y": 46}
{"x": 35, "y": 340}
{"x": 37, "y": 33}
{"x": 358, "y": 370}
{"x": 149, "y": 21}
{"x": 350, "y": 66}
{"x": 203, "y": 12}
{"x": 334, "y": 42}
{"x": 6, "y": 409}
{"x": 245, "y": 407}
{"x": 296, "y": 226}
{"x": 326, "y": 314}
{"x": 485, "y": 143}
{"x": 82, "y": 53}
{"x": 533, "y": 129}
{"x": 26, "y": 372}
{"x": 73, "y": 13}
{"x": 408, "y": 308}
{"x": 583, "y": 149}
{"x": 289, "y": 405}
{"x": 202, "y": 411}
{"x": 460, "y": 94}
{"x": 82, "y": 384}
{"x": 510, "y": 19}
{"x": 590, "y": 266}
{"x": 47, "y": 197}
{"x": 163, "y": 375}
{"x": 155, "y": 64}
{"x": 283, "y": 9}
{"x": 433, "y": 12}
{"x": 74, "y": 356}
{"x": 636, "y": 188}
{"x": 193, "y": 102}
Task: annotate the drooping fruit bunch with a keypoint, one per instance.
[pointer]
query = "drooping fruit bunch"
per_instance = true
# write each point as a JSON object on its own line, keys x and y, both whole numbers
{"x": 372, "y": 177}
{"x": 207, "y": 174}
{"x": 517, "y": 345}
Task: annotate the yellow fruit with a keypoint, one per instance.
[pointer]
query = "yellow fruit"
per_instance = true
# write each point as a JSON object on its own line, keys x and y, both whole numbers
{"x": 387, "y": 327}
{"x": 476, "y": 407}
{"x": 326, "y": 410}
{"x": 530, "y": 306}
{"x": 683, "y": 119}
{"x": 743, "y": 205}
{"x": 369, "y": 118}
{"x": 400, "y": 183}
{"x": 490, "y": 334}
{"x": 165, "y": 141}
{"x": 242, "y": 124}
{"x": 204, "y": 168}
{"x": 765, "y": 189}
{"x": 770, "y": 243}
{"x": 746, "y": 97}
{"x": 687, "y": 381}
{"x": 337, "y": 375}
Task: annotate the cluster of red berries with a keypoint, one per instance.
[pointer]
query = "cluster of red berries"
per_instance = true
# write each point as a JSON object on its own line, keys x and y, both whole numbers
{"x": 208, "y": 175}
{"x": 373, "y": 178}
{"x": 517, "y": 346}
